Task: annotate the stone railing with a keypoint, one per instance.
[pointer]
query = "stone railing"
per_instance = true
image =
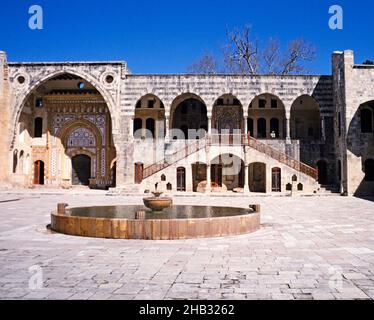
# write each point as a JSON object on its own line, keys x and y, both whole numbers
{"x": 230, "y": 140}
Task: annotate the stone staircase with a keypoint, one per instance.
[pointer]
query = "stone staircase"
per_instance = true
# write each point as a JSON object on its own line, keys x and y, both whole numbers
{"x": 229, "y": 140}
{"x": 177, "y": 156}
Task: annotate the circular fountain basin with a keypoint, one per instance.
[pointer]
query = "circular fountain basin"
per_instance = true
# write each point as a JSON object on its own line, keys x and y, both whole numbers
{"x": 173, "y": 223}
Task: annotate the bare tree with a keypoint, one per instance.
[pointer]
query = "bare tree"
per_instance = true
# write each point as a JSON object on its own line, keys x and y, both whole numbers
{"x": 271, "y": 57}
{"x": 243, "y": 55}
{"x": 298, "y": 51}
{"x": 207, "y": 64}
{"x": 241, "y": 52}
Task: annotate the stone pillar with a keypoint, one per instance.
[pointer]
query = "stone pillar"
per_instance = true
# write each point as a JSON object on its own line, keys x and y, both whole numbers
{"x": 157, "y": 128}
{"x": 245, "y": 124}
{"x": 288, "y": 128}
{"x": 209, "y": 126}
{"x": 167, "y": 134}
{"x": 246, "y": 179}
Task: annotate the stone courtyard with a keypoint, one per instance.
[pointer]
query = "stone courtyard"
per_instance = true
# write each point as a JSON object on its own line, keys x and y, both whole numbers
{"x": 307, "y": 248}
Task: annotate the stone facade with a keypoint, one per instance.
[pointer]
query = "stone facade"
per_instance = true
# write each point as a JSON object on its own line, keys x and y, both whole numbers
{"x": 297, "y": 116}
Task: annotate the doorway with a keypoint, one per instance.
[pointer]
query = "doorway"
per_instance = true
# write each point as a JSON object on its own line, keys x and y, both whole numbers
{"x": 139, "y": 167}
{"x": 38, "y": 173}
{"x": 81, "y": 172}
{"x": 322, "y": 172}
{"x": 276, "y": 180}
{"x": 181, "y": 179}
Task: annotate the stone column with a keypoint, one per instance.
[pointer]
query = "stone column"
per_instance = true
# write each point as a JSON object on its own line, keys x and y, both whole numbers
{"x": 157, "y": 129}
{"x": 288, "y": 129}
{"x": 246, "y": 179}
{"x": 209, "y": 125}
{"x": 167, "y": 134}
{"x": 245, "y": 124}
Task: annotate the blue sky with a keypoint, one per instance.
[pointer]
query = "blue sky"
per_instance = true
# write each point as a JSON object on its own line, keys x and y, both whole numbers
{"x": 165, "y": 36}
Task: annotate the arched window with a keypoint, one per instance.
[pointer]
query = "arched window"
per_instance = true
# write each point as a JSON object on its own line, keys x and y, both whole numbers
{"x": 150, "y": 125}
{"x": 38, "y": 127}
{"x": 138, "y": 123}
{"x": 366, "y": 120}
{"x": 369, "y": 170}
{"x": 261, "y": 128}
{"x": 163, "y": 178}
{"x": 151, "y": 103}
{"x": 274, "y": 127}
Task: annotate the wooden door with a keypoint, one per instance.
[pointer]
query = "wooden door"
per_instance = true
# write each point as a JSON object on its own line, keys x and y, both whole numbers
{"x": 38, "y": 172}
{"x": 139, "y": 173}
{"x": 276, "y": 180}
{"x": 181, "y": 179}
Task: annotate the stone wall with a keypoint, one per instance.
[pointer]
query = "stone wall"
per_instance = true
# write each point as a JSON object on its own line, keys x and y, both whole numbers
{"x": 4, "y": 119}
{"x": 354, "y": 85}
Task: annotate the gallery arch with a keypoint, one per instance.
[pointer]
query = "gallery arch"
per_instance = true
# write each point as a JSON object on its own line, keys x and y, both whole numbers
{"x": 189, "y": 112}
{"x": 267, "y": 117}
{"x": 67, "y": 134}
{"x": 149, "y": 121}
{"x": 305, "y": 119}
{"x": 228, "y": 115}
{"x": 228, "y": 172}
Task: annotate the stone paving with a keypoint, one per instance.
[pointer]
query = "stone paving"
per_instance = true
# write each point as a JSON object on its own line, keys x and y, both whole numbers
{"x": 308, "y": 248}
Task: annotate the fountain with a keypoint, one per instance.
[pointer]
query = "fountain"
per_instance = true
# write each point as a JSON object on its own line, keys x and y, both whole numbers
{"x": 156, "y": 203}
{"x": 162, "y": 220}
